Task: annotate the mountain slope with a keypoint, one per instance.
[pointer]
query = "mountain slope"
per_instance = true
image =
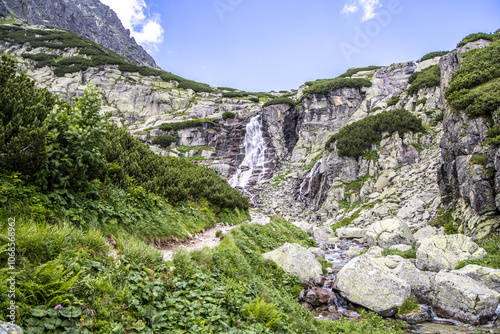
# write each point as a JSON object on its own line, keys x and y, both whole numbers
{"x": 89, "y": 18}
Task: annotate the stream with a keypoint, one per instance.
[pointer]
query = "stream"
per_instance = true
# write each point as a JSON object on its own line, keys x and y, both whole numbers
{"x": 336, "y": 254}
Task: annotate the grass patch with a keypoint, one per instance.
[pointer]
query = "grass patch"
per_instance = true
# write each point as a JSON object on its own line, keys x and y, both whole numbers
{"x": 478, "y": 159}
{"x": 409, "y": 306}
{"x": 409, "y": 254}
{"x": 394, "y": 100}
{"x": 492, "y": 259}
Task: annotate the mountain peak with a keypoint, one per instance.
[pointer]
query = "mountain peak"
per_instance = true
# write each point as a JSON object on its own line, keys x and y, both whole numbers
{"x": 88, "y": 18}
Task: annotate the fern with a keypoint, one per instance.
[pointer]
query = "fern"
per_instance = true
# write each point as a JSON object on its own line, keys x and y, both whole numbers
{"x": 264, "y": 313}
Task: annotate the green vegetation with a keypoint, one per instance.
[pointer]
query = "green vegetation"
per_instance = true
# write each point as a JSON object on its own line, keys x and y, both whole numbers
{"x": 429, "y": 77}
{"x": 493, "y": 135}
{"x": 346, "y": 221}
{"x": 350, "y": 72}
{"x": 445, "y": 219}
{"x": 475, "y": 87}
{"x": 355, "y": 139}
{"x": 279, "y": 100}
{"x": 234, "y": 94}
{"x": 478, "y": 36}
{"x": 323, "y": 86}
{"x": 409, "y": 254}
{"x": 165, "y": 140}
{"x": 435, "y": 54}
{"x": 228, "y": 115}
{"x": 313, "y": 162}
{"x": 492, "y": 258}
{"x": 409, "y": 306}
{"x": 96, "y": 55}
{"x": 394, "y": 100}
{"x": 422, "y": 101}
{"x": 478, "y": 159}
{"x": 375, "y": 109}
{"x": 185, "y": 124}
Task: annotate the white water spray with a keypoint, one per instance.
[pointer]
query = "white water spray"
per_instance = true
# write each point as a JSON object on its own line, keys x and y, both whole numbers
{"x": 255, "y": 149}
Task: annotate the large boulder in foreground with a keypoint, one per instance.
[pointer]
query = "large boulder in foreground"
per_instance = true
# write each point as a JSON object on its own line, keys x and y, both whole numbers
{"x": 367, "y": 282}
{"x": 462, "y": 298}
{"x": 446, "y": 251}
{"x": 297, "y": 260}
{"x": 486, "y": 276}
{"x": 388, "y": 232}
{"x": 7, "y": 327}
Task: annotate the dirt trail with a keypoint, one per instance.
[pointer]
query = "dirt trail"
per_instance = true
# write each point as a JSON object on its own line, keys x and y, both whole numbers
{"x": 207, "y": 238}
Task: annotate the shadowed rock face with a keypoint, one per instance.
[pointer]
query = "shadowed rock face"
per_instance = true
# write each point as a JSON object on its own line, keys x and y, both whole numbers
{"x": 88, "y": 18}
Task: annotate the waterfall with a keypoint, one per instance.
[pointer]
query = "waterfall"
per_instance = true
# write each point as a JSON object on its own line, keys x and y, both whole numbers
{"x": 255, "y": 149}
{"x": 306, "y": 185}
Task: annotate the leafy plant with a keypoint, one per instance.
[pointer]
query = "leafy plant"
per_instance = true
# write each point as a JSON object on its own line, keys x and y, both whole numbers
{"x": 410, "y": 305}
{"x": 262, "y": 312}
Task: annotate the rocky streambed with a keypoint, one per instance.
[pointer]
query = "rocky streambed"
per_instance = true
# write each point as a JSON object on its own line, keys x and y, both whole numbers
{"x": 449, "y": 301}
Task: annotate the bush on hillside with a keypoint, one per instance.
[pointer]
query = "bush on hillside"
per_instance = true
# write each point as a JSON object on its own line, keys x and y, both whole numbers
{"x": 165, "y": 140}
{"x": 476, "y": 37}
{"x": 279, "y": 100}
{"x": 475, "y": 87}
{"x": 429, "y": 77}
{"x": 355, "y": 139}
{"x": 185, "y": 124}
{"x": 435, "y": 54}
{"x": 228, "y": 115}
{"x": 350, "y": 72}
{"x": 323, "y": 86}
{"x": 23, "y": 108}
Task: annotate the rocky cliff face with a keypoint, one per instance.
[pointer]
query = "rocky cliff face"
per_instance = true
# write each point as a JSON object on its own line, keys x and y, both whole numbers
{"x": 470, "y": 186}
{"x": 89, "y": 18}
{"x": 417, "y": 177}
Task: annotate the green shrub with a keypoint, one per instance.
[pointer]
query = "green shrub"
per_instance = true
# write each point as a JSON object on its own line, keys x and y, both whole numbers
{"x": 439, "y": 118}
{"x": 165, "y": 140}
{"x": 476, "y": 37}
{"x": 175, "y": 179}
{"x": 323, "y": 86}
{"x": 375, "y": 109}
{"x": 394, "y": 100}
{"x": 493, "y": 135}
{"x": 38, "y": 56}
{"x": 435, "y": 54}
{"x": 429, "y": 77}
{"x": 254, "y": 99}
{"x": 227, "y": 88}
{"x": 196, "y": 86}
{"x": 279, "y": 100}
{"x": 233, "y": 94}
{"x": 228, "y": 115}
{"x": 492, "y": 258}
{"x": 350, "y": 72}
{"x": 23, "y": 108}
{"x": 355, "y": 139}
{"x": 264, "y": 313}
{"x": 185, "y": 124}
{"x": 422, "y": 101}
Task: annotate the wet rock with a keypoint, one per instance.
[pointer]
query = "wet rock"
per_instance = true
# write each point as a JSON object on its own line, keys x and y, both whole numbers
{"x": 462, "y": 298}
{"x": 366, "y": 282}
{"x": 350, "y": 314}
{"x": 351, "y": 232}
{"x": 446, "y": 251}
{"x": 295, "y": 259}
{"x": 417, "y": 317}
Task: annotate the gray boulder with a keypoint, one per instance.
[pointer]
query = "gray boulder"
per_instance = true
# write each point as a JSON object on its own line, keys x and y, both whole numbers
{"x": 486, "y": 276}
{"x": 446, "y": 251}
{"x": 367, "y": 282}
{"x": 462, "y": 298}
{"x": 8, "y": 328}
{"x": 388, "y": 232}
{"x": 351, "y": 232}
{"x": 318, "y": 252}
{"x": 297, "y": 260}
{"x": 322, "y": 233}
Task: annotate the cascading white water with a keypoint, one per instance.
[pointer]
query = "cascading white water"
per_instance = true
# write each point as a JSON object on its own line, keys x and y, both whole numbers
{"x": 305, "y": 186}
{"x": 255, "y": 149}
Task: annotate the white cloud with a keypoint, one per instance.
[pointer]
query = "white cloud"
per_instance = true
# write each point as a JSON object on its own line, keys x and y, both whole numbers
{"x": 144, "y": 27}
{"x": 368, "y": 7}
{"x": 349, "y": 9}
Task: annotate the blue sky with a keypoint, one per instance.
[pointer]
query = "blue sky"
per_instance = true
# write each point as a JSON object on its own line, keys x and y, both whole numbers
{"x": 258, "y": 45}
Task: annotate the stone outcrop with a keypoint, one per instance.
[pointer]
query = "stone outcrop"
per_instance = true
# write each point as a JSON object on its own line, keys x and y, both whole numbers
{"x": 446, "y": 251}
{"x": 486, "y": 276}
{"x": 366, "y": 282}
{"x": 88, "y": 18}
{"x": 8, "y": 328}
{"x": 388, "y": 232}
{"x": 461, "y": 298}
{"x": 297, "y": 260}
